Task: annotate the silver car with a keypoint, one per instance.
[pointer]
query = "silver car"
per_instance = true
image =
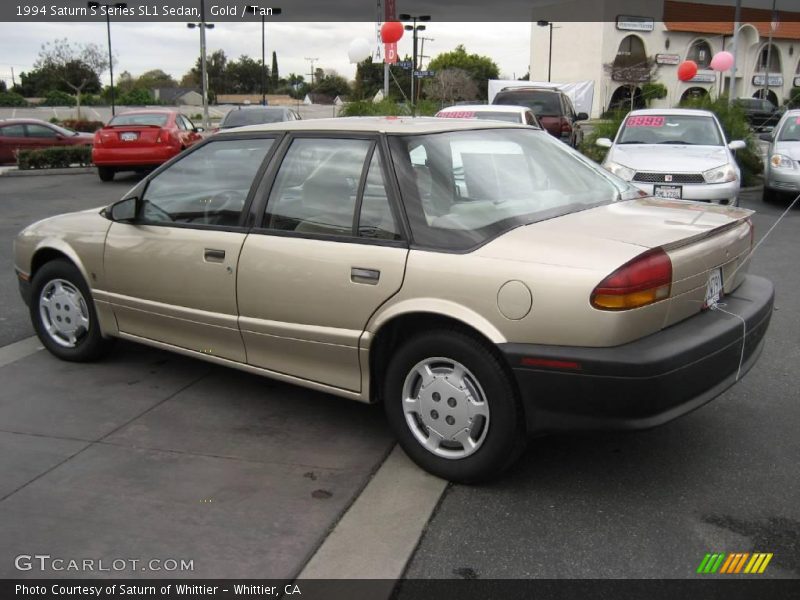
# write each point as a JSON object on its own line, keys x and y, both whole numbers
{"x": 782, "y": 169}
{"x": 676, "y": 153}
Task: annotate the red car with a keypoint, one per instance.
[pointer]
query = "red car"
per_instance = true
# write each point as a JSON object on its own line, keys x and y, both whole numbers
{"x": 31, "y": 134}
{"x": 140, "y": 140}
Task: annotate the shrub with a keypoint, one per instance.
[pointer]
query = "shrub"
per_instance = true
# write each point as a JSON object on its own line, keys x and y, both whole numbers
{"x": 735, "y": 126}
{"x": 82, "y": 125}
{"x": 387, "y": 107}
{"x": 793, "y": 101}
{"x": 604, "y": 129}
{"x": 136, "y": 97}
{"x": 12, "y": 99}
{"x": 58, "y": 98}
{"x": 54, "y": 158}
{"x": 653, "y": 91}
{"x": 92, "y": 100}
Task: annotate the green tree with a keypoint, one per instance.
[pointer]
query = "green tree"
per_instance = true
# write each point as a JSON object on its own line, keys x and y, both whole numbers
{"x": 331, "y": 85}
{"x": 79, "y": 66}
{"x": 216, "y": 66}
{"x": 244, "y": 75}
{"x": 2, "y": 86}
{"x": 155, "y": 78}
{"x": 480, "y": 68}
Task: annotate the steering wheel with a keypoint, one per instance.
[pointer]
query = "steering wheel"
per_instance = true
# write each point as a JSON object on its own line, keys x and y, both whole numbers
{"x": 218, "y": 203}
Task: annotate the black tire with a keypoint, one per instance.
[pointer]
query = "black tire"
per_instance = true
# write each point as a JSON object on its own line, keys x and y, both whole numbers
{"x": 105, "y": 173}
{"x": 505, "y": 435}
{"x": 768, "y": 195}
{"x": 90, "y": 345}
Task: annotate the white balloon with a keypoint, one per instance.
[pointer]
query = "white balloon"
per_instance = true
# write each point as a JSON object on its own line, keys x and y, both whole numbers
{"x": 359, "y": 50}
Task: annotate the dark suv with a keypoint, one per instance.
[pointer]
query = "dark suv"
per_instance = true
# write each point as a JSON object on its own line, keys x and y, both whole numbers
{"x": 760, "y": 113}
{"x": 552, "y": 107}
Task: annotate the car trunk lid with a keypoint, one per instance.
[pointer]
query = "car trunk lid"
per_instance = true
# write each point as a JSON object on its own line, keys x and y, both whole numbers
{"x": 126, "y": 136}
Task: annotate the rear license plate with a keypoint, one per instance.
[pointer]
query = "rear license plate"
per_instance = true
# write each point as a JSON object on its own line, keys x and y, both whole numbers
{"x": 713, "y": 288}
{"x": 129, "y": 136}
{"x": 668, "y": 191}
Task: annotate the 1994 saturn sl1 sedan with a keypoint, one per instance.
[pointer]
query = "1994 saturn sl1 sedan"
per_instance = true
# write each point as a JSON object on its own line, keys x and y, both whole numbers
{"x": 480, "y": 280}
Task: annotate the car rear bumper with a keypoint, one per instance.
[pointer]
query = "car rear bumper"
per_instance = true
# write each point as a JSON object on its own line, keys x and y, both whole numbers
{"x": 717, "y": 193}
{"x": 647, "y": 382}
{"x": 124, "y": 157}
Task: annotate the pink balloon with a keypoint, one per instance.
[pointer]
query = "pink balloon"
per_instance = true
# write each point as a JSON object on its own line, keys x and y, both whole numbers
{"x": 722, "y": 61}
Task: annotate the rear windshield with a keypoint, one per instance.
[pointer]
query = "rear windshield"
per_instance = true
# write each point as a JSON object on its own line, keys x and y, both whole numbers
{"x": 139, "y": 119}
{"x": 670, "y": 129}
{"x": 239, "y": 118}
{"x": 544, "y": 104}
{"x": 463, "y": 188}
{"x": 508, "y": 117}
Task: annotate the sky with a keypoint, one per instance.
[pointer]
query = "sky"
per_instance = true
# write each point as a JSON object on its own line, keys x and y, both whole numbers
{"x": 140, "y": 47}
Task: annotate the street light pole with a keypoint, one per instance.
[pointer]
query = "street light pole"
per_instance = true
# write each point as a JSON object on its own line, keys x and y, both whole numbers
{"x": 263, "y": 12}
{"x": 119, "y": 5}
{"x": 550, "y": 50}
{"x": 414, "y": 28}
{"x": 203, "y": 73}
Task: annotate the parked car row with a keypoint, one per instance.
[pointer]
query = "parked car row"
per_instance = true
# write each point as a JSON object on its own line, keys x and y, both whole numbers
{"x": 34, "y": 134}
{"x": 782, "y": 169}
{"x": 479, "y": 279}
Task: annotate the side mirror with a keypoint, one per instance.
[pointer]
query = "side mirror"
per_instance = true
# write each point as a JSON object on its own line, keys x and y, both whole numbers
{"x": 767, "y": 137}
{"x": 581, "y": 116}
{"x": 604, "y": 142}
{"x": 124, "y": 211}
{"x": 737, "y": 145}
{"x": 199, "y": 129}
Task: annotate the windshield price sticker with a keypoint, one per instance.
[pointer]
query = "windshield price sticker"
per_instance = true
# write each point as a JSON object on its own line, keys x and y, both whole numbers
{"x": 458, "y": 114}
{"x": 797, "y": 121}
{"x": 646, "y": 122}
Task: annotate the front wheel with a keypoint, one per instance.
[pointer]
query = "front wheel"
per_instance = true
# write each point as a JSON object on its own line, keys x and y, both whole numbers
{"x": 63, "y": 313}
{"x": 768, "y": 195}
{"x": 453, "y": 407}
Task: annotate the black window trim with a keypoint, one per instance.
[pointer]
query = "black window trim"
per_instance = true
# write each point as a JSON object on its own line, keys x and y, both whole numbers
{"x": 259, "y": 205}
{"x": 242, "y": 225}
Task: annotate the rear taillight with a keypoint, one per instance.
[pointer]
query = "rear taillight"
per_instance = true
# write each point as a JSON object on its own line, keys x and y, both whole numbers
{"x": 98, "y": 138}
{"x": 164, "y": 137}
{"x": 644, "y": 280}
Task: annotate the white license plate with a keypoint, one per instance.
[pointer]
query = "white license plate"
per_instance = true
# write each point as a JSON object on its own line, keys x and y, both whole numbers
{"x": 129, "y": 136}
{"x": 668, "y": 191}
{"x": 713, "y": 288}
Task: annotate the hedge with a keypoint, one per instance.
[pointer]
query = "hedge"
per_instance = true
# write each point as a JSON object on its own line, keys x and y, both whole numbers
{"x": 57, "y": 157}
{"x": 12, "y": 99}
{"x": 83, "y": 125}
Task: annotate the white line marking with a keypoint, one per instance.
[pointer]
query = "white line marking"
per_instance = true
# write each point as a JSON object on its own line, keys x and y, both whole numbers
{"x": 378, "y": 534}
{"x": 21, "y": 349}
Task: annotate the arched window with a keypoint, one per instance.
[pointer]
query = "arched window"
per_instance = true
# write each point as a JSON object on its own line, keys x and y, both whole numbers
{"x": 700, "y": 52}
{"x": 693, "y": 93}
{"x": 630, "y": 52}
{"x": 769, "y": 52}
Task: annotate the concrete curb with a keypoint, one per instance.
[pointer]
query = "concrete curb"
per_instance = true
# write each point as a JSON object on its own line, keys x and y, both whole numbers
{"x": 15, "y": 172}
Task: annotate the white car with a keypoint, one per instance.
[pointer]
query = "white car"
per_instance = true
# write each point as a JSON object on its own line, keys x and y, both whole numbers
{"x": 491, "y": 112}
{"x": 782, "y": 171}
{"x": 676, "y": 153}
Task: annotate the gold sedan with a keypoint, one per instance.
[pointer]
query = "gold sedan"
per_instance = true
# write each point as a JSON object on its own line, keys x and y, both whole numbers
{"x": 480, "y": 280}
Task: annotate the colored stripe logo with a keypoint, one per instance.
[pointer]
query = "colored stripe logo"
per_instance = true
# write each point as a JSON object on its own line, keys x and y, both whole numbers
{"x": 732, "y": 563}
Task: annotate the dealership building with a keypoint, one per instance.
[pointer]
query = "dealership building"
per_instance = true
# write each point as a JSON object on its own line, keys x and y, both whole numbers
{"x": 623, "y": 39}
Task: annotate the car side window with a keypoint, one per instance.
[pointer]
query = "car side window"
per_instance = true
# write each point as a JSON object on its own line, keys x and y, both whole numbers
{"x": 529, "y": 118}
{"x": 206, "y": 187}
{"x": 375, "y": 219}
{"x": 180, "y": 122}
{"x": 40, "y": 131}
{"x": 14, "y": 131}
{"x": 317, "y": 186}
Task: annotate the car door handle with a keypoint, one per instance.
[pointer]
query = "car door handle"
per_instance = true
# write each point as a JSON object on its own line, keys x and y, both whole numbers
{"x": 369, "y": 276}
{"x": 212, "y": 255}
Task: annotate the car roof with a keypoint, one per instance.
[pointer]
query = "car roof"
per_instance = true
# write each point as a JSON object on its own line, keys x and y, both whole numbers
{"x": 693, "y": 112}
{"x": 11, "y": 120}
{"x": 259, "y": 107}
{"x": 509, "y": 108}
{"x": 393, "y": 125}
{"x": 530, "y": 88}
{"x": 149, "y": 111}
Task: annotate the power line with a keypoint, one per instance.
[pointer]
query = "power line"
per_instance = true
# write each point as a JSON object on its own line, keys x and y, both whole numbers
{"x": 312, "y": 61}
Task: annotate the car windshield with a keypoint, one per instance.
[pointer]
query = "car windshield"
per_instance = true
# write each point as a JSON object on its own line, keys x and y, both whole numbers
{"x": 508, "y": 117}
{"x": 157, "y": 120}
{"x": 790, "y": 132}
{"x": 544, "y": 104}
{"x": 463, "y": 188}
{"x": 692, "y": 130}
{"x": 238, "y": 118}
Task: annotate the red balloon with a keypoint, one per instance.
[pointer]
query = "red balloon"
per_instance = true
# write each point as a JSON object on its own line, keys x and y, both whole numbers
{"x": 391, "y": 32}
{"x": 687, "y": 70}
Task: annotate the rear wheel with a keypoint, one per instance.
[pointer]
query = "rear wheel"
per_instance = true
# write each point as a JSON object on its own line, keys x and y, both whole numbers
{"x": 105, "y": 173}
{"x": 63, "y": 313}
{"x": 453, "y": 407}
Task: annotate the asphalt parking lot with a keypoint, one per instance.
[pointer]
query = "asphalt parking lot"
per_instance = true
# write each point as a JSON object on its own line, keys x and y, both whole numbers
{"x": 153, "y": 455}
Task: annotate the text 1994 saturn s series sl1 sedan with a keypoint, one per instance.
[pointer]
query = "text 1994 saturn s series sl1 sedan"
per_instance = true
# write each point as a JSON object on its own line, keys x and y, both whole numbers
{"x": 480, "y": 280}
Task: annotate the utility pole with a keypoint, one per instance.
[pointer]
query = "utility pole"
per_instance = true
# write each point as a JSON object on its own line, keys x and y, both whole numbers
{"x": 312, "y": 61}
{"x": 414, "y": 28}
{"x": 734, "y": 48}
{"x": 422, "y": 58}
{"x": 13, "y": 81}
{"x": 203, "y": 73}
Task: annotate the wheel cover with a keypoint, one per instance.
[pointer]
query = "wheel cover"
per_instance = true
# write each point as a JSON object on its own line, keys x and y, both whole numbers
{"x": 64, "y": 313}
{"x": 445, "y": 408}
